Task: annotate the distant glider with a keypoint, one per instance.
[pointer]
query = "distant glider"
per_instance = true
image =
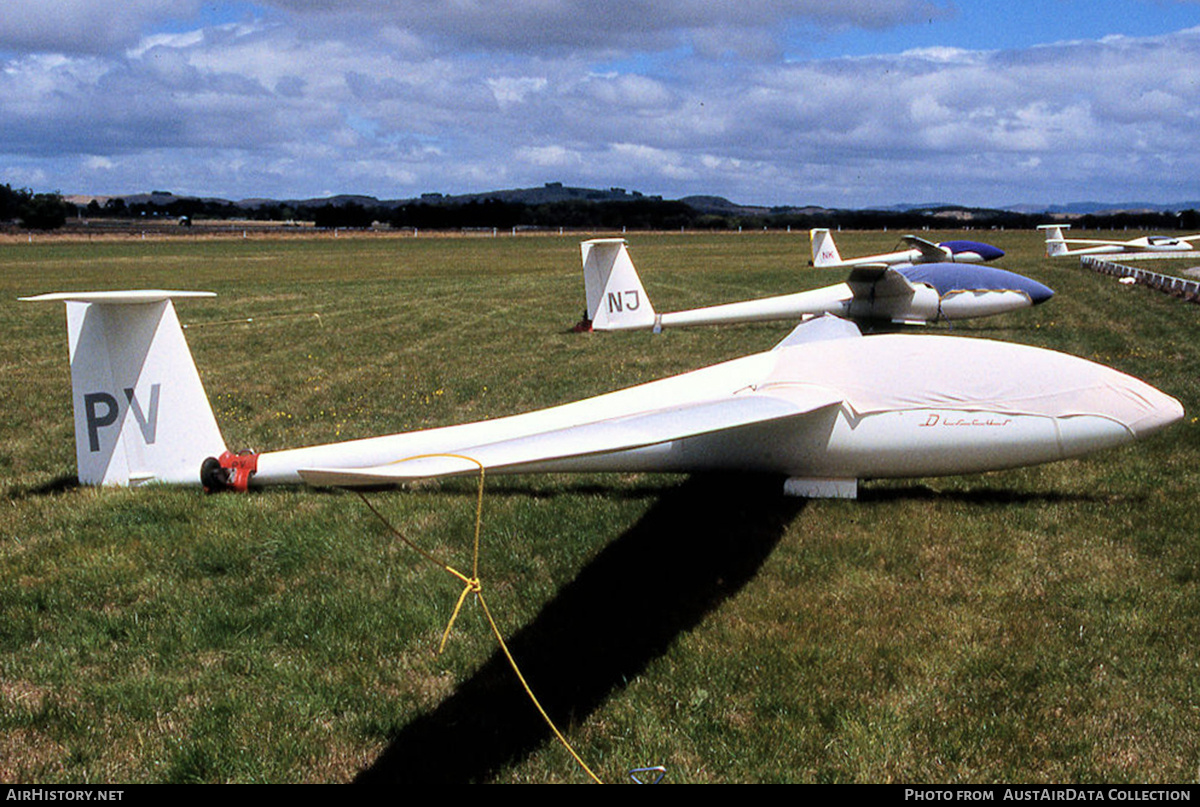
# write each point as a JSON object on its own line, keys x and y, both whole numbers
{"x": 824, "y": 408}
{"x": 1056, "y": 244}
{"x": 901, "y": 295}
{"x": 825, "y": 253}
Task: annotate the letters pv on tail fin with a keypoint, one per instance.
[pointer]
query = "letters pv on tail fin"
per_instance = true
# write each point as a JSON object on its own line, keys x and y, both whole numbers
{"x": 141, "y": 413}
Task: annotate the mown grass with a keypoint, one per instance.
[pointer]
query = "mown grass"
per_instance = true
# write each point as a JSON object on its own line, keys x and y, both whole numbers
{"x": 1034, "y": 625}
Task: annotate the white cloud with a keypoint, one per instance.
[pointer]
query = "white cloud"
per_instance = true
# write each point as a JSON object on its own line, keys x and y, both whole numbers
{"x": 942, "y": 55}
{"x": 647, "y": 161}
{"x": 396, "y": 98}
{"x": 82, "y": 26}
{"x": 627, "y": 92}
{"x": 509, "y": 91}
{"x": 549, "y": 156}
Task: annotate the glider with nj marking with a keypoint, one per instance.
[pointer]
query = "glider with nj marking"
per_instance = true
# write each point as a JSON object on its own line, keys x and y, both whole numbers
{"x": 826, "y": 407}
{"x": 873, "y": 294}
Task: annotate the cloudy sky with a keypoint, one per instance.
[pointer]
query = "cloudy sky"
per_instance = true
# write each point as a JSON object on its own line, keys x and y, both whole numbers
{"x": 830, "y": 102}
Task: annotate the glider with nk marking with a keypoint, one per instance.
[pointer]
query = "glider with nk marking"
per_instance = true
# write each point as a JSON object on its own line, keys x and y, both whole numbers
{"x": 825, "y": 254}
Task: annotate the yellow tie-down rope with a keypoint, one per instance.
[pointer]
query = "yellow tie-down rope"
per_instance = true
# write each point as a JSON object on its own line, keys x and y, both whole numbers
{"x": 473, "y": 585}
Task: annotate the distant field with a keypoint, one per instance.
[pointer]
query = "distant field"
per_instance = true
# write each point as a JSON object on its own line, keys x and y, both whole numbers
{"x": 1036, "y": 625}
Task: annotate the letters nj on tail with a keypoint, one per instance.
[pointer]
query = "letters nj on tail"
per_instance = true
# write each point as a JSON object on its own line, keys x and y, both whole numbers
{"x": 616, "y": 300}
{"x": 141, "y": 414}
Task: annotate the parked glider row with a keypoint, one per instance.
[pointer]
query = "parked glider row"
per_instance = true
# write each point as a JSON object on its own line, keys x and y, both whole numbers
{"x": 825, "y": 407}
{"x": 882, "y": 289}
{"x": 925, "y": 283}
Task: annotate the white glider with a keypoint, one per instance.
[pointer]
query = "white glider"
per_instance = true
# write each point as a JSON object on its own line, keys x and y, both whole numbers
{"x": 617, "y": 300}
{"x": 825, "y": 408}
{"x": 825, "y": 253}
{"x": 1056, "y": 243}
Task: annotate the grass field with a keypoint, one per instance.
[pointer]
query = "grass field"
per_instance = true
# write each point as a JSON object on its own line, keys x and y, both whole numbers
{"x": 1036, "y": 625}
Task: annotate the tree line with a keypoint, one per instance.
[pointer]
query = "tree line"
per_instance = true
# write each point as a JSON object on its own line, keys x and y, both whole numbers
{"x": 34, "y": 211}
{"x": 49, "y": 211}
{"x": 651, "y": 213}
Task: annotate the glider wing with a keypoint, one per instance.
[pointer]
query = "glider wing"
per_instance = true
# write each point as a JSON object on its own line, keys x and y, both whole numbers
{"x": 878, "y": 280}
{"x": 634, "y": 431}
{"x": 929, "y": 250}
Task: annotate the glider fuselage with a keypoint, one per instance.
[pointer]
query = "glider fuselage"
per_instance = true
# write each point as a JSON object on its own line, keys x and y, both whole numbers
{"x": 826, "y": 407}
{"x": 877, "y": 406}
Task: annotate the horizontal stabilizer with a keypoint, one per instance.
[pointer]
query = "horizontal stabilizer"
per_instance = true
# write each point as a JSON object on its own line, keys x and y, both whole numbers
{"x": 116, "y": 297}
{"x": 601, "y": 437}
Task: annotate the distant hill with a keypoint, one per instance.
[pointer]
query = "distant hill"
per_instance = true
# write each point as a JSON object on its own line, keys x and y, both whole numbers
{"x": 550, "y": 193}
{"x": 557, "y": 192}
{"x": 719, "y": 205}
{"x": 1094, "y": 208}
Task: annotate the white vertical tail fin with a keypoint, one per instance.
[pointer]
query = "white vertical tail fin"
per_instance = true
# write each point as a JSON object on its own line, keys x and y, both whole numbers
{"x": 141, "y": 414}
{"x": 1055, "y": 245}
{"x": 616, "y": 299}
{"x": 824, "y": 251}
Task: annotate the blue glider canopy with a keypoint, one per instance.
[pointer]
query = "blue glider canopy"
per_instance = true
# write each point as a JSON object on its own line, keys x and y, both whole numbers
{"x": 952, "y": 277}
{"x": 986, "y": 252}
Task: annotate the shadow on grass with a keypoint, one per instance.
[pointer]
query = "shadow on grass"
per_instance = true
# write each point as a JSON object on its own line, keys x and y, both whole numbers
{"x": 52, "y": 488}
{"x": 981, "y": 496}
{"x": 697, "y": 546}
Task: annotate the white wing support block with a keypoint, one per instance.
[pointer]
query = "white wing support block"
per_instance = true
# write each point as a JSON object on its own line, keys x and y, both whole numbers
{"x": 141, "y": 414}
{"x": 806, "y": 488}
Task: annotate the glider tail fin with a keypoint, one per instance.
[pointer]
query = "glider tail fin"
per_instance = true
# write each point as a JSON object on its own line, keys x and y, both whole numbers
{"x": 1055, "y": 245}
{"x": 616, "y": 299}
{"x": 824, "y": 251}
{"x": 141, "y": 414}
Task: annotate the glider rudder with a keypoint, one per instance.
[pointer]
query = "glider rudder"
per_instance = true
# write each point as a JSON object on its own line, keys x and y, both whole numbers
{"x": 824, "y": 251}
{"x": 616, "y": 300}
{"x": 141, "y": 414}
{"x": 1055, "y": 243}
